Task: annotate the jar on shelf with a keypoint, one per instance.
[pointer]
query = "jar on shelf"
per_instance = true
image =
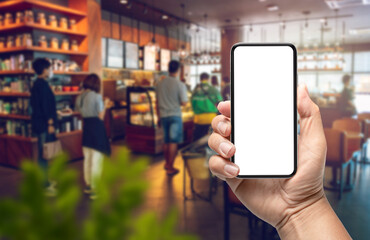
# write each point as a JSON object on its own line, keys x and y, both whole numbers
{"x": 41, "y": 18}
{"x": 8, "y": 19}
{"x": 28, "y": 16}
{"x": 2, "y": 42}
{"x": 27, "y": 40}
{"x": 63, "y": 23}
{"x": 19, "y": 18}
{"x": 53, "y": 21}
{"x": 54, "y": 43}
{"x": 72, "y": 24}
{"x": 74, "y": 46}
{"x": 10, "y": 42}
{"x": 18, "y": 41}
{"x": 65, "y": 44}
{"x": 1, "y": 20}
{"x": 42, "y": 42}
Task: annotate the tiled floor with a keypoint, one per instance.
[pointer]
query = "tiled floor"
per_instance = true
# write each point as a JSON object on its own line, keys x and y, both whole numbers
{"x": 206, "y": 219}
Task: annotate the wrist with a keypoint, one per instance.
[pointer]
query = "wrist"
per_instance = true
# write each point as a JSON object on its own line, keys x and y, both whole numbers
{"x": 315, "y": 221}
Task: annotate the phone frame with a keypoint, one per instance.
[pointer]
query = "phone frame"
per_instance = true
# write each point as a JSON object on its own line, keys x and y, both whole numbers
{"x": 294, "y": 102}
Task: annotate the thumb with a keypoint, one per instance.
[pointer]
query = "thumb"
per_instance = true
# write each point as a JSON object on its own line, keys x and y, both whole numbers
{"x": 310, "y": 121}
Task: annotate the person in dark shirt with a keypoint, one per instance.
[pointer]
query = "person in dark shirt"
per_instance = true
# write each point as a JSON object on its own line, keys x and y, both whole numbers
{"x": 44, "y": 114}
{"x": 345, "y": 101}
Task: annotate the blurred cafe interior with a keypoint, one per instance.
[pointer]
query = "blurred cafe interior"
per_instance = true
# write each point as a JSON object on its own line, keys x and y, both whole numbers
{"x": 129, "y": 44}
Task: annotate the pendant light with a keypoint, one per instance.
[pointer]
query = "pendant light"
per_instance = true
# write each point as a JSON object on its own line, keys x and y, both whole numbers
{"x": 205, "y": 55}
{"x": 183, "y": 52}
{"x": 153, "y": 44}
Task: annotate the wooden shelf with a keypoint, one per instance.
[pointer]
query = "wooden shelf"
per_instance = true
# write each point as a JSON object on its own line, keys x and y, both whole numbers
{"x": 25, "y": 72}
{"x": 14, "y": 94}
{"x": 33, "y": 139}
{"x": 321, "y": 70}
{"x": 41, "y": 49}
{"x": 320, "y": 60}
{"x": 20, "y": 138}
{"x": 19, "y": 27}
{"x": 19, "y": 5}
{"x": 15, "y": 116}
{"x": 27, "y": 94}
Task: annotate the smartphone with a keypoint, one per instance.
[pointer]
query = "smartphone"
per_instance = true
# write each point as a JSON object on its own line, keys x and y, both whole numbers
{"x": 264, "y": 109}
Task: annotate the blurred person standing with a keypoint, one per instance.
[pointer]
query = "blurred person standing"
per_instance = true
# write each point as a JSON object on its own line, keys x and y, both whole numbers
{"x": 171, "y": 95}
{"x": 204, "y": 101}
{"x": 95, "y": 143}
{"x": 44, "y": 113}
{"x": 214, "y": 82}
{"x": 345, "y": 100}
{"x": 226, "y": 89}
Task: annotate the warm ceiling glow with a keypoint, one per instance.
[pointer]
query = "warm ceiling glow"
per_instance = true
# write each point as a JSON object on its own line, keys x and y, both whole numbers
{"x": 124, "y": 1}
{"x": 164, "y": 17}
{"x": 272, "y": 7}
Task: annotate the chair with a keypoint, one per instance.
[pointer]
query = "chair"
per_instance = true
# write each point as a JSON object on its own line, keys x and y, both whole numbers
{"x": 365, "y": 120}
{"x": 353, "y": 129}
{"x": 336, "y": 155}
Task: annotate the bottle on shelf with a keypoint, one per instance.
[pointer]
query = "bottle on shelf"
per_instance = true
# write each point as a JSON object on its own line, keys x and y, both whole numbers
{"x": 63, "y": 23}
{"x": 53, "y": 21}
{"x": 74, "y": 46}
{"x": 10, "y": 42}
{"x": 72, "y": 24}
{"x": 42, "y": 41}
{"x": 1, "y": 20}
{"x": 54, "y": 43}
{"x": 19, "y": 18}
{"x": 41, "y": 18}
{"x": 8, "y": 20}
{"x": 65, "y": 44}
{"x": 28, "y": 16}
{"x": 2, "y": 42}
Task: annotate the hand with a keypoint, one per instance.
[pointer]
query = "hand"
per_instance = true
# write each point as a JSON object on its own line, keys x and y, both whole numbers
{"x": 278, "y": 201}
{"x": 51, "y": 129}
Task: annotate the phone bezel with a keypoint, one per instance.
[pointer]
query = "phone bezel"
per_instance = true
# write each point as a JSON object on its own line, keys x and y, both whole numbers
{"x": 294, "y": 102}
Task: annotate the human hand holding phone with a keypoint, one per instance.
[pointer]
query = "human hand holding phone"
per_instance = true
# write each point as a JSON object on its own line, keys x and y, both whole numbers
{"x": 296, "y": 207}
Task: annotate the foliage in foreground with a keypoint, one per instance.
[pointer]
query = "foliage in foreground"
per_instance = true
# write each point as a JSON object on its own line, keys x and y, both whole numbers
{"x": 33, "y": 216}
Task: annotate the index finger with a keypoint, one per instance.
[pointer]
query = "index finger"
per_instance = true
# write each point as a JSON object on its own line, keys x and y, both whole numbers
{"x": 224, "y": 108}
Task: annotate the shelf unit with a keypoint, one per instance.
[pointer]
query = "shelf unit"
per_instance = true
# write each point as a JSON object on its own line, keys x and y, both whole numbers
{"x": 21, "y": 147}
{"x": 25, "y": 72}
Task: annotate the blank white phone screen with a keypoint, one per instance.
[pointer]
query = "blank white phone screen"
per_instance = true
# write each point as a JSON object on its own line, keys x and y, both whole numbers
{"x": 263, "y": 113}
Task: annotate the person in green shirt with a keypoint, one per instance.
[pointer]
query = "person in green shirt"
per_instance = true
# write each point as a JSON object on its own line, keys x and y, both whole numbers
{"x": 204, "y": 101}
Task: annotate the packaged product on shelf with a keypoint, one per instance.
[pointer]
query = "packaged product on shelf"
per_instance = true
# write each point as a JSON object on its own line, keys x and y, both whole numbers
{"x": 8, "y": 20}
{"x": 1, "y": 20}
{"x": 65, "y": 44}
{"x": 19, "y": 18}
{"x": 42, "y": 42}
{"x": 1, "y": 106}
{"x": 53, "y": 21}
{"x": 18, "y": 40}
{"x": 10, "y": 42}
{"x": 28, "y": 16}
{"x": 41, "y": 18}
{"x": 72, "y": 24}
{"x": 2, "y": 41}
{"x": 74, "y": 46}
{"x": 9, "y": 127}
{"x": 63, "y": 23}
{"x": 27, "y": 40}
{"x": 54, "y": 44}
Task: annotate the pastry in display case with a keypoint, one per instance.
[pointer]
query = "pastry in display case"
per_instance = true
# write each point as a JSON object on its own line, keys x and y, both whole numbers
{"x": 142, "y": 106}
{"x": 187, "y": 111}
{"x": 142, "y": 131}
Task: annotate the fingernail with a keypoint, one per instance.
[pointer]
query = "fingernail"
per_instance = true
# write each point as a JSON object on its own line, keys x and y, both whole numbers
{"x": 231, "y": 170}
{"x": 225, "y": 148}
{"x": 222, "y": 127}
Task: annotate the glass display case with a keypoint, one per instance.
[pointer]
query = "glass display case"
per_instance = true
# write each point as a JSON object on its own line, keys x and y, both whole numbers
{"x": 142, "y": 106}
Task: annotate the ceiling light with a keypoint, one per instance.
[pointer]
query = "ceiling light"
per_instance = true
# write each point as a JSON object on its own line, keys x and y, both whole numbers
{"x": 164, "y": 17}
{"x": 322, "y": 20}
{"x": 272, "y": 7}
{"x": 262, "y": 0}
{"x": 335, "y": 4}
{"x": 359, "y": 31}
{"x": 124, "y": 1}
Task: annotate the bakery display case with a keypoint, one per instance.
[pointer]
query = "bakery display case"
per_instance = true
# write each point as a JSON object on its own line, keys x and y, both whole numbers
{"x": 143, "y": 134}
